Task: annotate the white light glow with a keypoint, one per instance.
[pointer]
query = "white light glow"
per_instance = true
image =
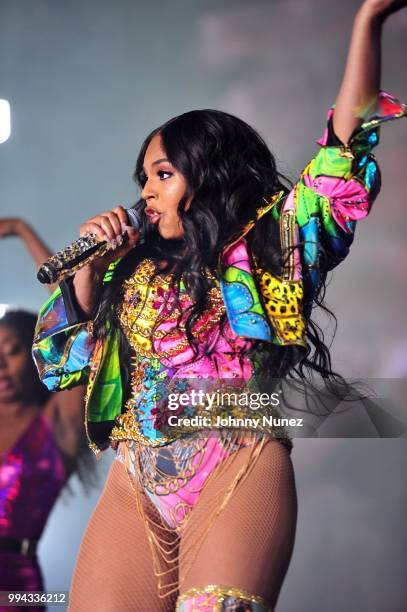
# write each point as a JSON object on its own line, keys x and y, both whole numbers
{"x": 3, "y": 310}
{"x": 5, "y": 122}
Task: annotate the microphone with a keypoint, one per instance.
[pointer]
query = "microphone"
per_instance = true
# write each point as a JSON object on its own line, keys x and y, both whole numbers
{"x": 79, "y": 253}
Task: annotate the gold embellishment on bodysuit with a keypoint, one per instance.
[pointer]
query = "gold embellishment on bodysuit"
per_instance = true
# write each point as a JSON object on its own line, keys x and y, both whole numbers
{"x": 164, "y": 548}
{"x": 128, "y": 428}
{"x": 221, "y": 593}
{"x": 287, "y": 231}
{"x": 148, "y": 302}
{"x": 160, "y": 482}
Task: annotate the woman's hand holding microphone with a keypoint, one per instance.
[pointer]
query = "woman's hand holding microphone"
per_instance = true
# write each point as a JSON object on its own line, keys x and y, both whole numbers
{"x": 112, "y": 227}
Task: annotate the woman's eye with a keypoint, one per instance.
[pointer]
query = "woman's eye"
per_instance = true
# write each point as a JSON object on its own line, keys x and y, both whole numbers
{"x": 11, "y": 350}
{"x": 164, "y": 175}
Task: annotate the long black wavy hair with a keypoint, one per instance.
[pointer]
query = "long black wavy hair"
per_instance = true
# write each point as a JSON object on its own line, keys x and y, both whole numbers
{"x": 23, "y": 323}
{"x": 230, "y": 173}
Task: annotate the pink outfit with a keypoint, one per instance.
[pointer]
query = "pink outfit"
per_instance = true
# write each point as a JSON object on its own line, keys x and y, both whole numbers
{"x": 190, "y": 460}
{"x": 32, "y": 475}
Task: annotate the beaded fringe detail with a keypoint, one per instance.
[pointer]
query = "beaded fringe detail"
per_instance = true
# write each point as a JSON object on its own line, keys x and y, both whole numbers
{"x": 149, "y": 481}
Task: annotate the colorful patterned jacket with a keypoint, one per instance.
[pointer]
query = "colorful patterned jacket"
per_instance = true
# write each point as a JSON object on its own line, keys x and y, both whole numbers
{"x": 334, "y": 191}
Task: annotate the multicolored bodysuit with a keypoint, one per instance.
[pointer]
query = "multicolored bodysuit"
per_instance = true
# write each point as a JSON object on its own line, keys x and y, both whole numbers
{"x": 171, "y": 470}
{"x": 172, "y": 473}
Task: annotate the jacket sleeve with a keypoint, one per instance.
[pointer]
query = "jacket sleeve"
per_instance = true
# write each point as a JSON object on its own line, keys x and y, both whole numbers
{"x": 337, "y": 188}
{"x": 63, "y": 342}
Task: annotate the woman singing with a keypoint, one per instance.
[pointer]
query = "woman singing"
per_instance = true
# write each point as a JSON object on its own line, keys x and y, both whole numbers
{"x": 215, "y": 291}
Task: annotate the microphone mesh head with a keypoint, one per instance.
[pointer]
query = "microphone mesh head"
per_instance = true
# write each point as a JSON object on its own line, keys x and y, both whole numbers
{"x": 134, "y": 217}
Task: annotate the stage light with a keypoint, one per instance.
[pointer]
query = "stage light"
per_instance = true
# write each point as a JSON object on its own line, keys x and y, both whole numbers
{"x": 3, "y": 309}
{"x": 5, "y": 123}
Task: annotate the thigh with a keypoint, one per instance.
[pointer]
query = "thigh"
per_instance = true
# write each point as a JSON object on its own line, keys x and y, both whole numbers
{"x": 249, "y": 544}
{"x": 114, "y": 569}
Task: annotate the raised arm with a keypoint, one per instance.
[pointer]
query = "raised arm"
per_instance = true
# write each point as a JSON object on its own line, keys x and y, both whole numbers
{"x": 357, "y": 96}
{"x": 13, "y": 226}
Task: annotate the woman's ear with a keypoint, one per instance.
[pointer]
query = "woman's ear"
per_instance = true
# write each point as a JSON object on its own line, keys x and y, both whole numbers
{"x": 188, "y": 203}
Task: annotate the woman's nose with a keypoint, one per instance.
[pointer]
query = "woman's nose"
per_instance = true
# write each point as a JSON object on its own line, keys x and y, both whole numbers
{"x": 147, "y": 192}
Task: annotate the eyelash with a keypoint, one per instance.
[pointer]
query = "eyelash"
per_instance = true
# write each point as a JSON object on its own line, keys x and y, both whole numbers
{"x": 160, "y": 173}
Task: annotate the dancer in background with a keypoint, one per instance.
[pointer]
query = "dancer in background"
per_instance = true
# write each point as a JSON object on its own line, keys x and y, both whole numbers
{"x": 41, "y": 440}
{"x": 219, "y": 292}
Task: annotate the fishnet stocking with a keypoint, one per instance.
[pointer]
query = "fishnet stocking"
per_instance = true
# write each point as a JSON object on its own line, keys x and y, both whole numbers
{"x": 114, "y": 569}
{"x": 248, "y": 544}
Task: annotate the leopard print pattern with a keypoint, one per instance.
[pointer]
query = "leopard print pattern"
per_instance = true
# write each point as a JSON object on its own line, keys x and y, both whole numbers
{"x": 283, "y": 303}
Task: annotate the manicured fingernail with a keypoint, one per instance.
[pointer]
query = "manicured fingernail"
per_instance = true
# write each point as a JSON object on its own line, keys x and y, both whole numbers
{"x": 119, "y": 240}
{"x": 114, "y": 244}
